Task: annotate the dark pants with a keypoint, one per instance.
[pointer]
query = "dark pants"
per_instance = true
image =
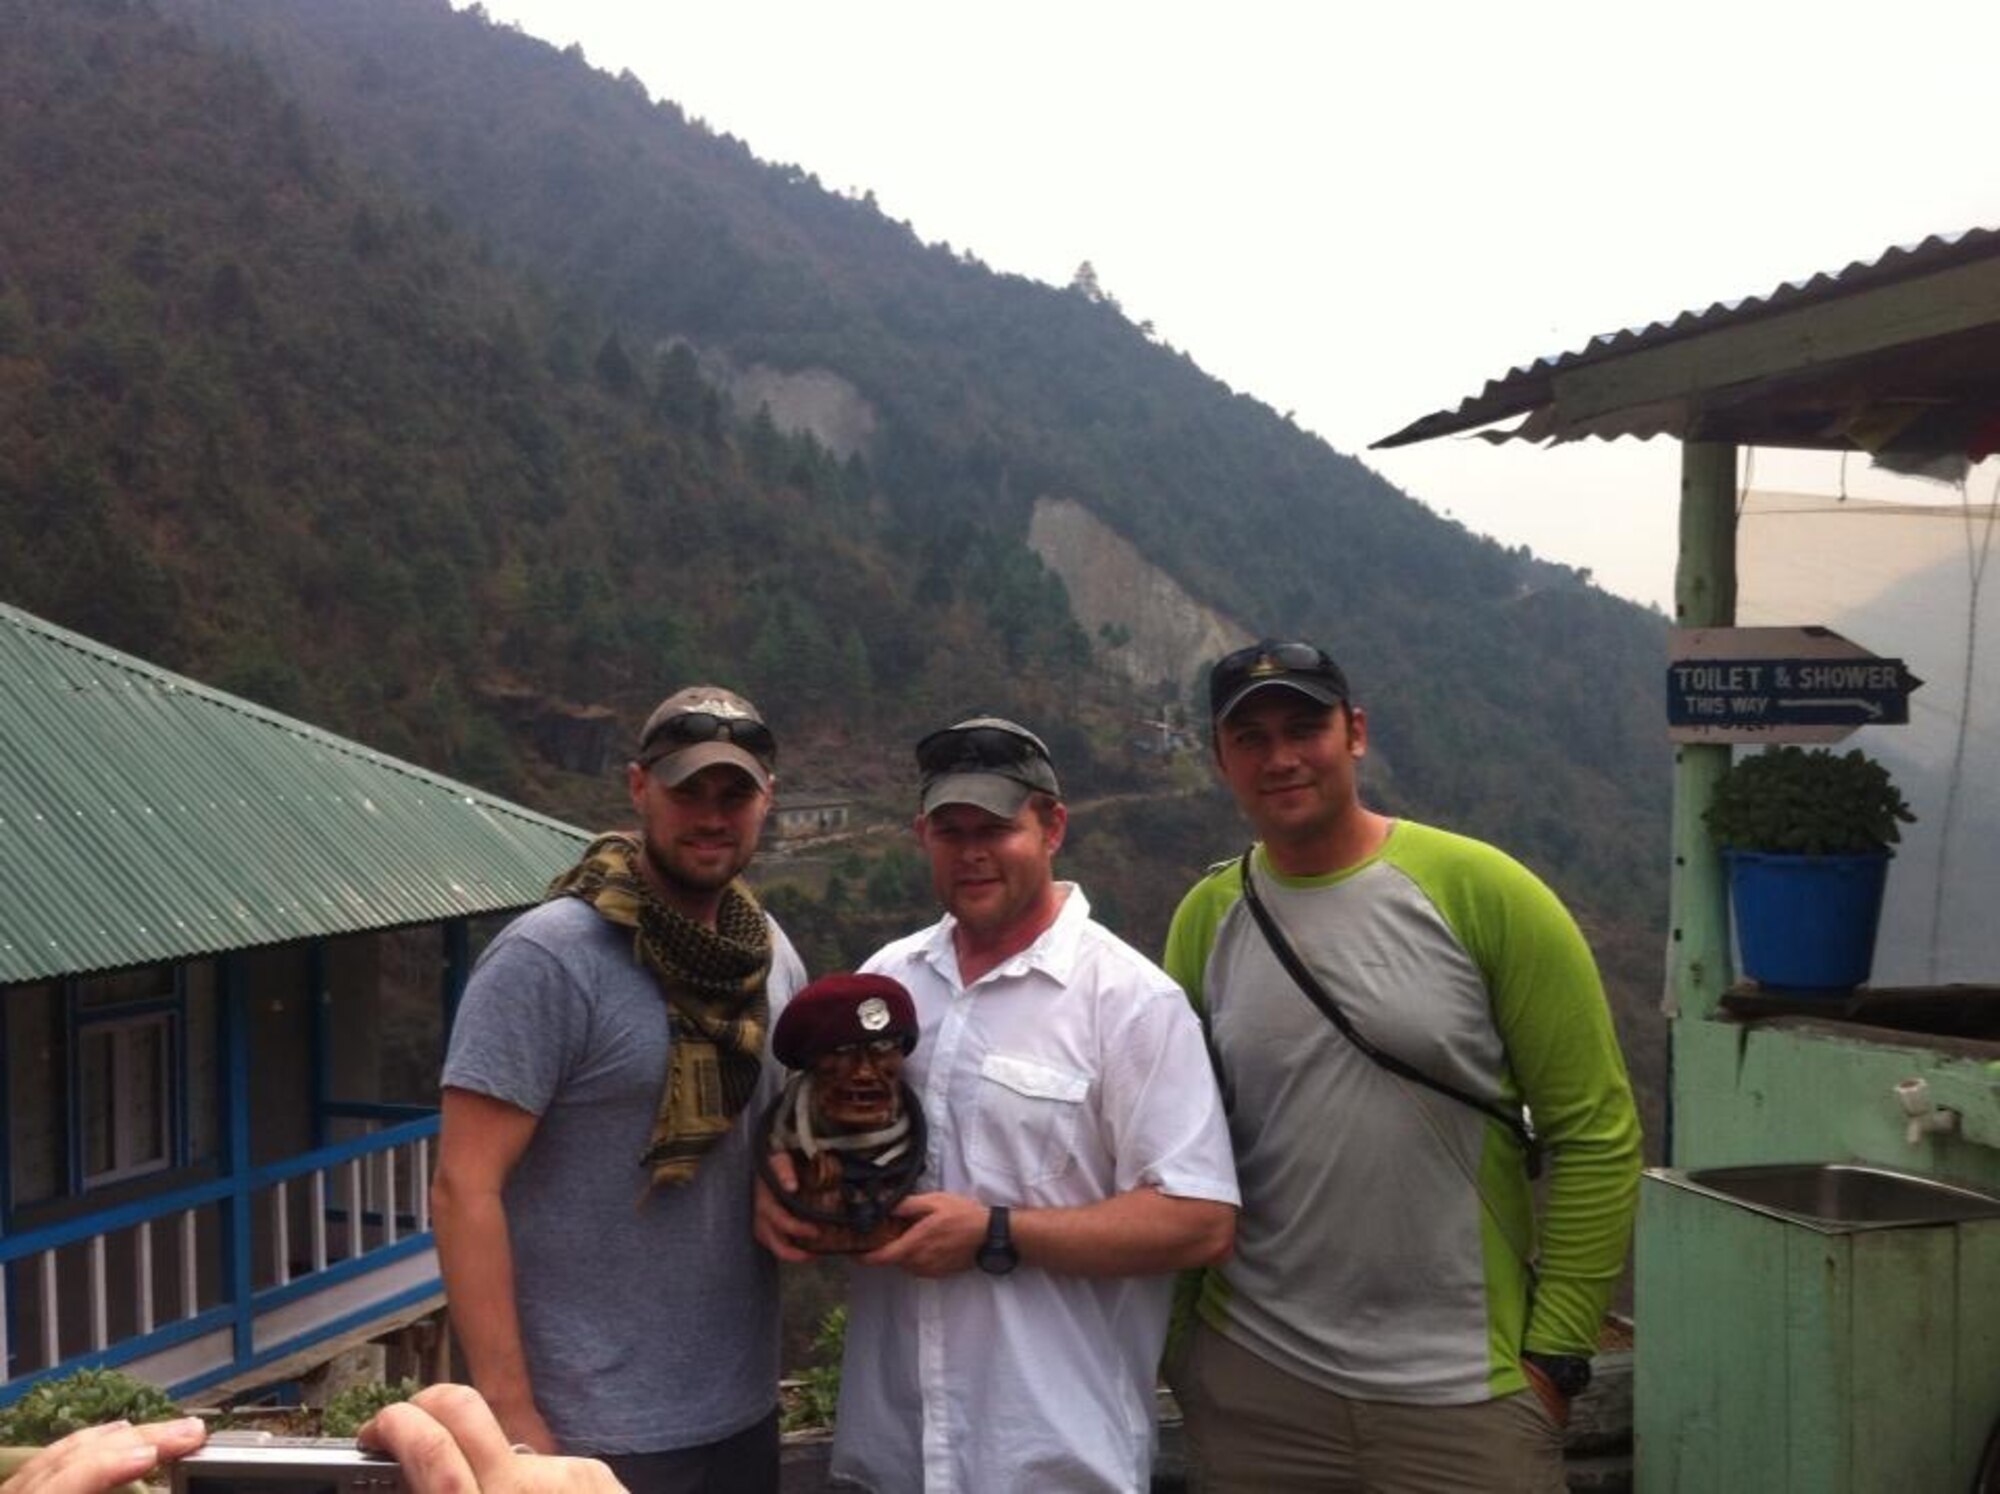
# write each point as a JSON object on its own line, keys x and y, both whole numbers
{"x": 744, "y": 1464}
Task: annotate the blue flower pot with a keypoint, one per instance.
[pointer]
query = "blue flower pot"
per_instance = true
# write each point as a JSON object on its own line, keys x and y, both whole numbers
{"x": 1807, "y": 923}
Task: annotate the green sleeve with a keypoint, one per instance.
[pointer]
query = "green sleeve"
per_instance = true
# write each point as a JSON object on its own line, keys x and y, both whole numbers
{"x": 1190, "y": 938}
{"x": 1191, "y": 935}
{"x": 1562, "y": 1051}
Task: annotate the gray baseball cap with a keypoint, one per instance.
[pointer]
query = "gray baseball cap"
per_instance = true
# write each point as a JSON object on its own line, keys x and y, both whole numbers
{"x": 704, "y": 725}
{"x": 988, "y": 762}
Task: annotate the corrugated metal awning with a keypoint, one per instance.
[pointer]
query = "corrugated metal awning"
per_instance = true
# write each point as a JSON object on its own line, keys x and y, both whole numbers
{"x": 1902, "y": 351}
{"x": 145, "y": 818}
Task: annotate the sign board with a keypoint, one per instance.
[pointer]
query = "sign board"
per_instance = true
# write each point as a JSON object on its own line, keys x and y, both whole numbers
{"x": 1779, "y": 685}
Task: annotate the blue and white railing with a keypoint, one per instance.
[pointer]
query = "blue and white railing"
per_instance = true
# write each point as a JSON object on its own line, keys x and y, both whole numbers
{"x": 206, "y": 1284}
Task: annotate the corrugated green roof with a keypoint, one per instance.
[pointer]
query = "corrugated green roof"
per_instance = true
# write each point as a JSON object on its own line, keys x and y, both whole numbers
{"x": 145, "y": 818}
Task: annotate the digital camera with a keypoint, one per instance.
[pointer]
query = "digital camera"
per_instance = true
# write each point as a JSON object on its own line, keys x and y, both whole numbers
{"x": 263, "y": 1463}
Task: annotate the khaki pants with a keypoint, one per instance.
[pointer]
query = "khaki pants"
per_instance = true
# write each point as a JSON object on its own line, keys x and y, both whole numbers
{"x": 1253, "y": 1429}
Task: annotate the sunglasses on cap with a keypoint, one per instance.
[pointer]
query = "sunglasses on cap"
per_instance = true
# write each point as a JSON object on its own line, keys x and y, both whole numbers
{"x": 1007, "y": 750}
{"x": 692, "y": 728}
{"x": 1272, "y": 660}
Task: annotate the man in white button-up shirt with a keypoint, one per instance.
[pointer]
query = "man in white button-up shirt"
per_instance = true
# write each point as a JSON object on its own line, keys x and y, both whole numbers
{"x": 1078, "y": 1156}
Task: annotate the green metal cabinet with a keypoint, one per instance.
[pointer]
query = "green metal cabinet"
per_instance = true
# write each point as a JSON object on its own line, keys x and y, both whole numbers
{"x": 1776, "y": 1355}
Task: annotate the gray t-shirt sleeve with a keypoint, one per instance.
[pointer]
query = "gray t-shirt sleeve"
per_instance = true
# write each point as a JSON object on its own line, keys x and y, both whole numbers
{"x": 524, "y": 1014}
{"x": 527, "y": 1013}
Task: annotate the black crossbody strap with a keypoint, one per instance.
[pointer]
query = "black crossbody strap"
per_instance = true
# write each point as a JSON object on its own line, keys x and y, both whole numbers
{"x": 1516, "y": 1121}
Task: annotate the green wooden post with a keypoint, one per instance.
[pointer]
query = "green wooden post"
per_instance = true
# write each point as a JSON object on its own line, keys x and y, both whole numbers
{"x": 1704, "y": 597}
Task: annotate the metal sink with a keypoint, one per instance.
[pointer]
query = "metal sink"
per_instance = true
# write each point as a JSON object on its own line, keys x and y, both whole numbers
{"x": 1840, "y": 1196}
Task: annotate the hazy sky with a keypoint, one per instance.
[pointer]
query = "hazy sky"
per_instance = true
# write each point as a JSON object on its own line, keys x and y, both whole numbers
{"x": 1360, "y": 214}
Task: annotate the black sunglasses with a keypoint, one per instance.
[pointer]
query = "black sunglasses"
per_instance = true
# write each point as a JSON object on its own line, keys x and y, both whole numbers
{"x": 973, "y": 749}
{"x": 692, "y": 728}
{"x": 1270, "y": 659}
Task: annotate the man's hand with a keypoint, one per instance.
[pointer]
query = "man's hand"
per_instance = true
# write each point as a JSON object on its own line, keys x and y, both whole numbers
{"x": 945, "y": 1231}
{"x": 1553, "y": 1400}
{"x": 98, "y": 1459}
{"x": 449, "y": 1442}
{"x": 776, "y": 1227}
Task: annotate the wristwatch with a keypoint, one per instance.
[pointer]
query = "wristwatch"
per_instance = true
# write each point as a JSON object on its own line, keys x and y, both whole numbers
{"x": 996, "y": 1255}
{"x": 1569, "y": 1373}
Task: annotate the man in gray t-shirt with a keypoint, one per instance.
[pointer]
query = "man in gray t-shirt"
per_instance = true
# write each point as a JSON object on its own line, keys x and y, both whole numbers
{"x": 593, "y": 1192}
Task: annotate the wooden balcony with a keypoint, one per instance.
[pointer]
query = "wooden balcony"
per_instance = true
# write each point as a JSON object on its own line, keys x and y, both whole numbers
{"x": 210, "y": 1285}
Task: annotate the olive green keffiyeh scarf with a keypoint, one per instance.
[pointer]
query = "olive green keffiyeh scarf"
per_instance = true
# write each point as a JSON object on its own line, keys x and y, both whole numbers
{"x": 713, "y": 981}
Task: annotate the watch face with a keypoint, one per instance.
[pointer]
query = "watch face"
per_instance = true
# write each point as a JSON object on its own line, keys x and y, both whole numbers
{"x": 996, "y": 1255}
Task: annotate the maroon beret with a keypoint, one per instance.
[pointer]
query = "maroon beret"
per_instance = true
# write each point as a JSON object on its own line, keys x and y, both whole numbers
{"x": 836, "y": 1010}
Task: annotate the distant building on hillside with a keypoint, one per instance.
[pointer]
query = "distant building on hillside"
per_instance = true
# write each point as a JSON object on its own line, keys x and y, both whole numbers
{"x": 797, "y": 818}
{"x": 231, "y": 948}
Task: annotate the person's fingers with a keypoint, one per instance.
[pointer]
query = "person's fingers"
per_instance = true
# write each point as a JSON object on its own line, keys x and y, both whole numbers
{"x": 63, "y": 1447}
{"x": 174, "y": 1439}
{"x": 85, "y": 1462}
{"x": 450, "y": 1442}
{"x": 432, "y": 1462}
{"x": 894, "y": 1252}
{"x": 100, "y": 1458}
{"x": 784, "y": 1172}
{"x": 463, "y": 1412}
{"x": 778, "y": 1229}
{"x": 780, "y": 1247}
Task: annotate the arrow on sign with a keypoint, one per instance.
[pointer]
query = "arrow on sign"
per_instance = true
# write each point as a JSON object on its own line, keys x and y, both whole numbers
{"x": 1866, "y": 707}
{"x": 1757, "y": 684}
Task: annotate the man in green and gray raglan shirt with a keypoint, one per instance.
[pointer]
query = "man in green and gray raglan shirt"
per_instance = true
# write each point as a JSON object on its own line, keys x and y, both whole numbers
{"x": 1395, "y": 1317}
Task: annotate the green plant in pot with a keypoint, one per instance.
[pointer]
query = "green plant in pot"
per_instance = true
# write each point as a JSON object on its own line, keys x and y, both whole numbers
{"x": 1808, "y": 835}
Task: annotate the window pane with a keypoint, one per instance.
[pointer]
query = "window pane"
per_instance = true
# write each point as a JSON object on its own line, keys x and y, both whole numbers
{"x": 125, "y": 1091}
{"x": 100, "y": 1119}
{"x": 145, "y": 1088}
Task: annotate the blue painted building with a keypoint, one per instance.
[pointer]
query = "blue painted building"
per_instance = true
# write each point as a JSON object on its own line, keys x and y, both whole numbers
{"x": 229, "y": 947}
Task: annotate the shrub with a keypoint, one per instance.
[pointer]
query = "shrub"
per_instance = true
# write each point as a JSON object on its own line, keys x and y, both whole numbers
{"x": 85, "y": 1398}
{"x": 350, "y": 1409}
{"x": 1787, "y": 800}
{"x": 817, "y": 1394}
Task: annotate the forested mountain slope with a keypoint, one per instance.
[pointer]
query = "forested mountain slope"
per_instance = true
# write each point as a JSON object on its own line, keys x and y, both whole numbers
{"x": 368, "y": 358}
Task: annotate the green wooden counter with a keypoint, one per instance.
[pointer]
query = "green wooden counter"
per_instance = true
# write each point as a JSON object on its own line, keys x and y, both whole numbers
{"x": 1793, "y": 1358}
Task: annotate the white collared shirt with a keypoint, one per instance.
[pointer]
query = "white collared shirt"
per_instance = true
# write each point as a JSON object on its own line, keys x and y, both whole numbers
{"x": 1070, "y": 1073}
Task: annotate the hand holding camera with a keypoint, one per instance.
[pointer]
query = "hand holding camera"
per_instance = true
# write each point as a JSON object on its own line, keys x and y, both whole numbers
{"x": 443, "y": 1440}
{"x": 98, "y": 1459}
{"x": 447, "y": 1440}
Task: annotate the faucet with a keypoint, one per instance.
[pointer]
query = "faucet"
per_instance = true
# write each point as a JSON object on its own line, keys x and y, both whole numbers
{"x": 1925, "y": 1116}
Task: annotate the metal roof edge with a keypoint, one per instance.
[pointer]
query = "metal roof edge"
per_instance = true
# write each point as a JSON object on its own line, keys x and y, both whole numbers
{"x": 115, "y": 658}
{"x": 1525, "y": 387}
